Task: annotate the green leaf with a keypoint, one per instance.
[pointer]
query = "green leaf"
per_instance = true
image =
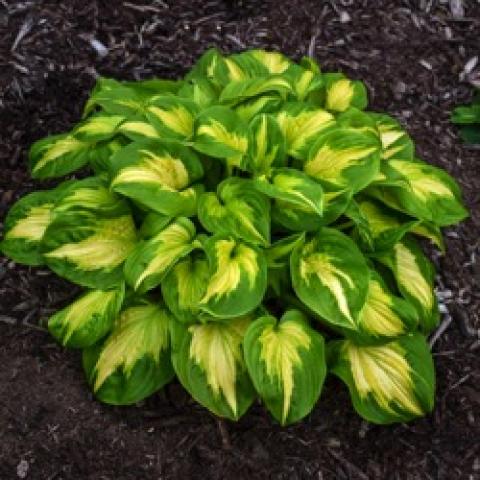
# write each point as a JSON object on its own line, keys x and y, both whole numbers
{"x": 303, "y": 81}
{"x": 201, "y": 91}
{"x": 150, "y": 261}
{"x": 331, "y": 276}
{"x": 237, "y": 209}
{"x": 392, "y": 382}
{"x": 220, "y": 133}
{"x": 414, "y": 275}
{"x": 266, "y": 144}
{"x": 238, "y": 277}
{"x": 293, "y": 186}
{"x": 286, "y": 362}
{"x": 249, "y": 109}
{"x": 25, "y": 225}
{"x": 184, "y": 287}
{"x": 173, "y": 117}
{"x": 57, "y": 155}
{"x": 90, "y": 235}
{"x": 158, "y": 176}
{"x": 134, "y": 361}
{"x": 208, "y": 361}
{"x": 88, "y": 319}
{"x": 345, "y": 157}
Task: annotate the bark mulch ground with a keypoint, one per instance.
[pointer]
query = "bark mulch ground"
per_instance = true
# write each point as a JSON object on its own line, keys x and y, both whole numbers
{"x": 412, "y": 56}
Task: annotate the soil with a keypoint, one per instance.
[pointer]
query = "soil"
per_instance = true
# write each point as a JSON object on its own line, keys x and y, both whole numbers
{"x": 412, "y": 55}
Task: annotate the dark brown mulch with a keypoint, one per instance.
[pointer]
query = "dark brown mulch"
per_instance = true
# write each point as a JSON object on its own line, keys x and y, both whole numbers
{"x": 411, "y": 54}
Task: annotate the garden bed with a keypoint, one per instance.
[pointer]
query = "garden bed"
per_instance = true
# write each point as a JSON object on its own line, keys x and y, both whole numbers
{"x": 411, "y": 58}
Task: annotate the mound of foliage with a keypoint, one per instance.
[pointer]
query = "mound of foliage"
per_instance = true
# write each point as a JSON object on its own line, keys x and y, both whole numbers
{"x": 233, "y": 222}
{"x": 468, "y": 117}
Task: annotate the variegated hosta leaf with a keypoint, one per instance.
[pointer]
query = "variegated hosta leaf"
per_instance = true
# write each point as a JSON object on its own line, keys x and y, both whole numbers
{"x": 149, "y": 262}
{"x": 221, "y": 133}
{"x": 184, "y": 287}
{"x": 249, "y": 109}
{"x": 88, "y": 319}
{"x": 396, "y": 142}
{"x": 392, "y": 382}
{"x": 300, "y": 218}
{"x": 301, "y": 125}
{"x": 127, "y": 98}
{"x": 138, "y": 129}
{"x": 378, "y": 227}
{"x": 158, "y": 176}
{"x": 25, "y": 225}
{"x": 208, "y": 360}
{"x": 57, "y": 155}
{"x": 98, "y": 127}
{"x": 201, "y": 91}
{"x": 152, "y": 224}
{"x": 342, "y": 93}
{"x": 266, "y": 144}
{"x": 90, "y": 236}
{"x": 173, "y": 117}
{"x": 286, "y": 362}
{"x": 134, "y": 361}
{"x": 293, "y": 186}
{"x": 414, "y": 275}
{"x": 238, "y": 91}
{"x": 383, "y": 314}
{"x": 331, "y": 276}
{"x": 427, "y": 192}
{"x": 345, "y": 157}
{"x": 432, "y": 232}
{"x": 274, "y": 62}
{"x": 238, "y": 209}
{"x": 238, "y": 277}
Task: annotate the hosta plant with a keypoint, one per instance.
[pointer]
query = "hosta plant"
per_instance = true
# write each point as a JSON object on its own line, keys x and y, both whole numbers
{"x": 467, "y": 117}
{"x": 247, "y": 230}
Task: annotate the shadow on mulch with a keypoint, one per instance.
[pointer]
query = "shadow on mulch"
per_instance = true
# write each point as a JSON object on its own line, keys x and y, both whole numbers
{"x": 411, "y": 55}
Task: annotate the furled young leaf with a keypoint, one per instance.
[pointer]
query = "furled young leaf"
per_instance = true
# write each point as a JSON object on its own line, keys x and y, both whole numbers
{"x": 286, "y": 362}
{"x": 378, "y": 227}
{"x": 238, "y": 91}
{"x": 238, "y": 277}
{"x": 237, "y": 209}
{"x": 57, "y": 155}
{"x": 345, "y": 157}
{"x": 159, "y": 176}
{"x": 220, "y": 133}
{"x": 173, "y": 117}
{"x": 90, "y": 235}
{"x": 301, "y": 124}
{"x": 208, "y": 361}
{"x": 278, "y": 254}
{"x": 88, "y": 319}
{"x": 414, "y": 275}
{"x": 151, "y": 259}
{"x": 98, "y": 128}
{"x": 249, "y": 109}
{"x": 100, "y": 156}
{"x": 396, "y": 142}
{"x": 392, "y": 382}
{"x": 330, "y": 275}
{"x": 201, "y": 91}
{"x": 303, "y": 81}
{"x": 184, "y": 287}
{"x": 25, "y": 225}
{"x": 266, "y": 144}
{"x": 293, "y": 186}
{"x": 426, "y": 192}
{"x": 134, "y": 361}
{"x": 342, "y": 93}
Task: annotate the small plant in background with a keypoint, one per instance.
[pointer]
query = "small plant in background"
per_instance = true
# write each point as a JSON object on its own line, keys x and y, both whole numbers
{"x": 235, "y": 220}
{"x": 468, "y": 117}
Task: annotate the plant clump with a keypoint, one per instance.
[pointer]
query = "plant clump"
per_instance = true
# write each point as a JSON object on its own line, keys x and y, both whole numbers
{"x": 247, "y": 229}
